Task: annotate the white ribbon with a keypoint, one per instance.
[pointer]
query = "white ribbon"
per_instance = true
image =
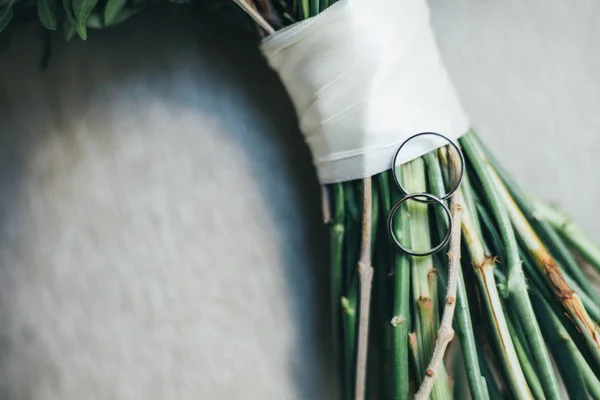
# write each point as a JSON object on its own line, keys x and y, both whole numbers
{"x": 365, "y": 75}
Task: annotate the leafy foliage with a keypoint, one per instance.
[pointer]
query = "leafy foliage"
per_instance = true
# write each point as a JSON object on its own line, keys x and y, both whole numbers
{"x": 112, "y": 10}
{"x": 75, "y": 17}
{"x": 46, "y": 10}
{"x": 6, "y": 15}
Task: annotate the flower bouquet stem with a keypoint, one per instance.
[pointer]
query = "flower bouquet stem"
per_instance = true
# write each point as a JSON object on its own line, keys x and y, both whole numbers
{"x": 567, "y": 230}
{"x": 516, "y": 286}
{"x": 369, "y": 271}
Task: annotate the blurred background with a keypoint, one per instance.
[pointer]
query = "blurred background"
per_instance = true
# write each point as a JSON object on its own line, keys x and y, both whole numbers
{"x": 160, "y": 221}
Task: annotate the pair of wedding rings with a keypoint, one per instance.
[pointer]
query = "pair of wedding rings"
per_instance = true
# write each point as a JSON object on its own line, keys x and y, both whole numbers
{"x": 424, "y": 197}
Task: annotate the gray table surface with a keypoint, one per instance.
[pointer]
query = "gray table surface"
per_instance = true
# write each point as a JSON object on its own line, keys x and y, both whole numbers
{"x": 160, "y": 233}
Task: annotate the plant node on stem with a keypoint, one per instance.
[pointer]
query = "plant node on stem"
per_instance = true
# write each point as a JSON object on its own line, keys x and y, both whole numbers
{"x": 445, "y": 333}
{"x": 365, "y": 271}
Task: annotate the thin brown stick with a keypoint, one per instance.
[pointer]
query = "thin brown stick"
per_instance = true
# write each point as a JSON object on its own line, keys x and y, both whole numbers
{"x": 365, "y": 271}
{"x": 325, "y": 204}
{"x": 445, "y": 333}
{"x": 255, "y": 15}
{"x": 268, "y": 12}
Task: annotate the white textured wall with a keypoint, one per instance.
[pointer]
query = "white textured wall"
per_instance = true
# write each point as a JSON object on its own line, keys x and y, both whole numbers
{"x": 160, "y": 232}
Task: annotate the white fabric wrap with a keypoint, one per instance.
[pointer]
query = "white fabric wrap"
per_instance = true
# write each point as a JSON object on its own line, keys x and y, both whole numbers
{"x": 365, "y": 75}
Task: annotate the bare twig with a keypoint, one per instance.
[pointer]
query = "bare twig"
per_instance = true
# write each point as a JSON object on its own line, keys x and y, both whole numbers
{"x": 268, "y": 11}
{"x": 365, "y": 271}
{"x": 446, "y": 333}
{"x": 255, "y": 15}
{"x": 325, "y": 204}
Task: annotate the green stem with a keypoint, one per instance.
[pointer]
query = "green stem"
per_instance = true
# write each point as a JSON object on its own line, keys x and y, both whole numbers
{"x": 570, "y": 232}
{"x": 590, "y": 304}
{"x": 488, "y": 377}
{"x": 376, "y": 346}
{"x": 528, "y": 370}
{"x": 565, "y": 351}
{"x": 351, "y": 233}
{"x": 374, "y": 218}
{"x": 539, "y": 215}
{"x": 591, "y": 380}
{"x": 544, "y": 219}
{"x": 337, "y": 267}
{"x": 569, "y": 299}
{"x": 489, "y": 232}
{"x": 305, "y": 9}
{"x": 401, "y": 318}
{"x": 445, "y": 333}
{"x": 483, "y": 268}
{"x": 462, "y": 318}
{"x": 466, "y": 337}
{"x": 315, "y": 7}
{"x": 563, "y": 255}
{"x": 383, "y": 307}
{"x": 401, "y": 323}
{"x": 516, "y": 285}
{"x": 534, "y": 274}
{"x": 365, "y": 275}
{"x": 541, "y": 287}
{"x": 424, "y": 280}
{"x": 470, "y": 200}
{"x": 546, "y": 232}
{"x": 352, "y": 223}
{"x": 349, "y": 324}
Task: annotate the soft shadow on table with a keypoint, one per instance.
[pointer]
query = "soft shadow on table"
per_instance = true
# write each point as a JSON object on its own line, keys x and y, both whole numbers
{"x": 143, "y": 49}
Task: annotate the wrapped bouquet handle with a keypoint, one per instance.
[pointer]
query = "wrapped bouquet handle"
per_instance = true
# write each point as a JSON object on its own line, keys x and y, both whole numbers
{"x": 364, "y": 76}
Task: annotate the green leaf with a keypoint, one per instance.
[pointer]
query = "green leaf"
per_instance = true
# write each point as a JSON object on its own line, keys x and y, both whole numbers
{"x": 82, "y": 10}
{"x": 79, "y": 28}
{"x": 69, "y": 11}
{"x": 5, "y": 16}
{"x": 95, "y": 21}
{"x": 46, "y": 10}
{"x": 68, "y": 30}
{"x": 112, "y": 10}
{"x": 81, "y": 31}
{"x": 125, "y": 14}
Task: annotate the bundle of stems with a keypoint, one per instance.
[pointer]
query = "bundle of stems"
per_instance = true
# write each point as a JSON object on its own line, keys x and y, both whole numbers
{"x": 527, "y": 312}
{"x": 525, "y": 309}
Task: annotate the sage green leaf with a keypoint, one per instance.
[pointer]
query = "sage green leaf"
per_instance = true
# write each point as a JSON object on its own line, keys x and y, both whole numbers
{"x": 5, "y": 16}
{"x": 79, "y": 28}
{"x": 125, "y": 14}
{"x": 112, "y": 10}
{"x": 82, "y": 10}
{"x": 95, "y": 21}
{"x": 46, "y": 10}
{"x": 69, "y": 23}
{"x": 68, "y": 30}
{"x": 69, "y": 11}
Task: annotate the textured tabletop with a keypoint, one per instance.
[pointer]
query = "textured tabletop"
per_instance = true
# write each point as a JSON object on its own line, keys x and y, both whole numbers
{"x": 160, "y": 228}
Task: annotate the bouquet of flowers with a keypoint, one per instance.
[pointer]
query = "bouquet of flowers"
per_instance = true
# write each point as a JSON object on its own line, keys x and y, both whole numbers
{"x": 430, "y": 238}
